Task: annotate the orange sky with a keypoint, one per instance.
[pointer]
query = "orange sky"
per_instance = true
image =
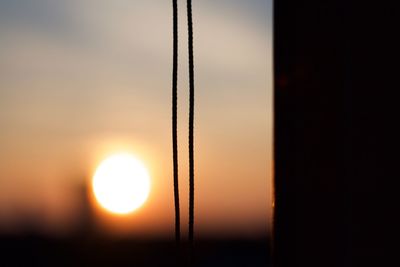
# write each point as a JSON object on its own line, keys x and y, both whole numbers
{"x": 81, "y": 79}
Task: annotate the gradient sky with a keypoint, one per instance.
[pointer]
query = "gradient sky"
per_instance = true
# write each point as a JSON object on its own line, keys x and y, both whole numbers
{"x": 80, "y": 79}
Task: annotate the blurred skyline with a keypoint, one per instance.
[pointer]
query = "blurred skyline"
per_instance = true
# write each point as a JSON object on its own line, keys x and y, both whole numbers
{"x": 81, "y": 79}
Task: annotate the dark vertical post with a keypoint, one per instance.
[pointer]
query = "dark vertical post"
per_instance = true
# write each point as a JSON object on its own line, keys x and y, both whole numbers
{"x": 310, "y": 186}
{"x": 335, "y": 109}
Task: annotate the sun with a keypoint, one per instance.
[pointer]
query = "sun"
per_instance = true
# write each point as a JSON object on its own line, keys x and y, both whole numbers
{"x": 121, "y": 183}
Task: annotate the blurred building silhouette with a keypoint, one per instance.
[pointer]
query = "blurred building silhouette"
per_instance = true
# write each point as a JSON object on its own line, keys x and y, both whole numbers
{"x": 86, "y": 218}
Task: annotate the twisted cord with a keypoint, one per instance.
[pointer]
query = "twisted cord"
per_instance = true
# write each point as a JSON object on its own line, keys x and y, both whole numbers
{"x": 174, "y": 119}
{"x": 191, "y": 122}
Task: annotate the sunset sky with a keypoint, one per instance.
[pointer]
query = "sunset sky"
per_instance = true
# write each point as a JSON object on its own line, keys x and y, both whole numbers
{"x": 82, "y": 79}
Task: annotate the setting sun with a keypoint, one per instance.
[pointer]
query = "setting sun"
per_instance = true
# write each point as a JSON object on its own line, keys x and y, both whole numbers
{"x": 121, "y": 183}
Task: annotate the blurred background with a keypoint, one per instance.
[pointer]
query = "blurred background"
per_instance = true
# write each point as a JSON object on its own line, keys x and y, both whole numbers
{"x": 82, "y": 79}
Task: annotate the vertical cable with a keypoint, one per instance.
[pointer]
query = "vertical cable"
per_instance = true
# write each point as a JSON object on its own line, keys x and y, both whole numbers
{"x": 191, "y": 122}
{"x": 174, "y": 119}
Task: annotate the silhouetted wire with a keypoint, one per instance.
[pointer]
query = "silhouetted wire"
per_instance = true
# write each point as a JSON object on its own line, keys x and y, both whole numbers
{"x": 174, "y": 119}
{"x": 191, "y": 123}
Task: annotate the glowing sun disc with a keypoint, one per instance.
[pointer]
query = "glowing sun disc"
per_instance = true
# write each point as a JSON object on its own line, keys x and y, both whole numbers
{"x": 121, "y": 184}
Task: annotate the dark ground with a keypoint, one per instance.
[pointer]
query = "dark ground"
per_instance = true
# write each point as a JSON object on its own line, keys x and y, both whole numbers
{"x": 35, "y": 250}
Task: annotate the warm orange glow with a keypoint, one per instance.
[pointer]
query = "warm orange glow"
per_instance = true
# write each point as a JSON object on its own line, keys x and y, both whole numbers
{"x": 121, "y": 183}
